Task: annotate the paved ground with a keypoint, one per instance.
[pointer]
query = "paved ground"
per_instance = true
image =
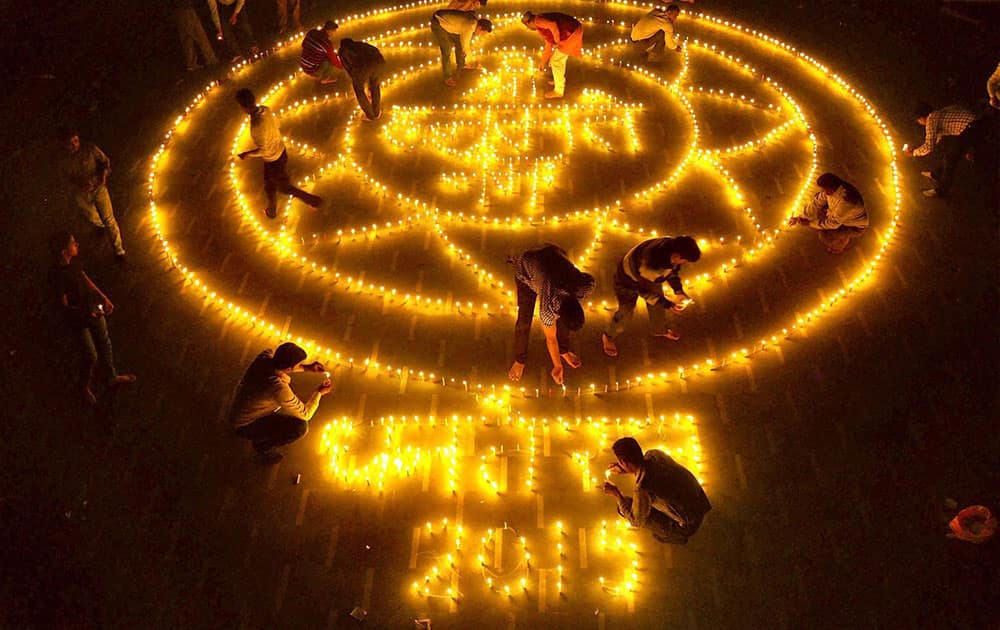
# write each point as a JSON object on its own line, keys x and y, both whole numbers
{"x": 828, "y": 468}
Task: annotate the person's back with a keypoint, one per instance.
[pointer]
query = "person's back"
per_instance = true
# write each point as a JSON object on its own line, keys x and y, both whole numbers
{"x": 672, "y": 487}
{"x": 567, "y": 24}
{"x": 357, "y": 55}
{"x": 257, "y": 381}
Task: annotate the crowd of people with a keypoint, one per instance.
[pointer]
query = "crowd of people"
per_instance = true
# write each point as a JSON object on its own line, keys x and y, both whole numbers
{"x": 267, "y": 412}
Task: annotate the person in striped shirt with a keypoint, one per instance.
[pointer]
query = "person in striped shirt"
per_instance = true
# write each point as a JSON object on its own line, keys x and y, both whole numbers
{"x": 453, "y": 31}
{"x": 319, "y": 60}
{"x": 563, "y": 35}
{"x": 546, "y": 274}
{"x": 641, "y": 273}
{"x": 837, "y": 211}
{"x": 950, "y": 133}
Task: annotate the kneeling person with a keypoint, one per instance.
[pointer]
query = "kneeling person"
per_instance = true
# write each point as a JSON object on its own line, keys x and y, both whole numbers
{"x": 265, "y": 410}
{"x": 655, "y": 32}
{"x": 668, "y": 499}
{"x": 837, "y": 211}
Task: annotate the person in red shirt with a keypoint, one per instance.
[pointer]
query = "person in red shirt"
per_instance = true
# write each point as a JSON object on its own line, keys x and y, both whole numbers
{"x": 319, "y": 59}
{"x": 563, "y": 35}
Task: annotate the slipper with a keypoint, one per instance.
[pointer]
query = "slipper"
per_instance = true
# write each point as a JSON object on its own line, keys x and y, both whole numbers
{"x": 609, "y": 346}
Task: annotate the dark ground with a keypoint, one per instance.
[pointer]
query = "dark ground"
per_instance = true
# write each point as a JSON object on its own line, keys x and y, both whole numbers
{"x": 835, "y": 517}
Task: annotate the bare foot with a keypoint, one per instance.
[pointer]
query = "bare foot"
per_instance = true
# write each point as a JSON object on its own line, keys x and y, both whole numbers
{"x": 516, "y": 371}
{"x": 450, "y": 82}
{"x": 571, "y": 359}
{"x": 610, "y": 348}
{"x": 553, "y": 94}
{"x": 671, "y": 335}
{"x": 122, "y": 379}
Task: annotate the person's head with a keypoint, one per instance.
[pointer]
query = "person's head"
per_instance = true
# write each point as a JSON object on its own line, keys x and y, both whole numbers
{"x": 571, "y": 314}
{"x": 829, "y": 183}
{"x": 528, "y": 19}
{"x": 288, "y": 357}
{"x": 69, "y": 138}
{"x": 629, "y": 454}
{"x": 673, "y": 11}
{"x": 62, "y": 245}
{"x": 678, "y": 251}
{"x": 330, "y": 27}
{"x": 247, "y": 100}
{"x": 483, "y": 26}
{"x": 921, "y": 112}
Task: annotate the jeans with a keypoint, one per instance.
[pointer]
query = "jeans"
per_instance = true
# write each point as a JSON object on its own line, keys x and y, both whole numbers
{"x": 558, "y": 64}
{"x": 837, "y": 240}
{"x": 192, "y": 34}
{"x": 232, "y": 33}
{"x": 654, "y": 44}
{"x": 664, "y": 528}
{"x": 627, "y": 291}
{"x": 522, "y": 328}
{"x": 283, "y": 14}
{"x": 953, "y": 150}
{"x": 96, "y": 206}
{"x": 276, "y": 180}
{"x": 369, "y": 78}
{"x": 272, "y": 431}
{"x": 95, "y": 344}
{"x": 448, "y": 42}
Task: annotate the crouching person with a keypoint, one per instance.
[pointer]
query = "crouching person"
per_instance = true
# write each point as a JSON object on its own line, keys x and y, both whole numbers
{"x": 837, "y": 211}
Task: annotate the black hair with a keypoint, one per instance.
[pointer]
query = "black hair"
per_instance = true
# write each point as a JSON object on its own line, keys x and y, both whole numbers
{"x": 628, "y": 450}
{"x": 527, "y": 17}
{"x": 828, "y": 180}
{"x": 245, "y": 98}
{"x": 673, "y": 7}
{"x": 922, "y": 110}
{"x": 484, "y": 25}
{"x": 58, "y": 242}
{"x": 288, "y": 355}
{"x": 482, "y": 3}
{"x": 330, "y": 25}
{"x": 687, "y": 248}
{"x": 571, "y": 313}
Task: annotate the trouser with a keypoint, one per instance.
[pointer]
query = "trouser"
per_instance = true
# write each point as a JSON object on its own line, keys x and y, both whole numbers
{"x": 837, "y": 240}
{"x": 326, "y": 71}
{"x": 522, "y": 328}
{"x": 627, "y": 291}
{"x": 283, "y": 14}
{"x": 239, "y": 37}
{"x": 655, "y": 44}
{"x": 448, "y": 42}
{"x": 95, "y": 346}
{"x": 370, "y": 78}
{"x": 558, "y": 64}
{"x": 276, "y": 180}
{"x": 953, "y": 150}
{"x": 664, "y": 528}
{"x": 272, "y": 431}
{"x": 192, "y": 34}
{"x": 96, "y": 206}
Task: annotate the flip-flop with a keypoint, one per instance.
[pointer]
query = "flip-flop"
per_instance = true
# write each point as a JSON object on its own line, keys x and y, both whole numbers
{"x": 611, "y": 352}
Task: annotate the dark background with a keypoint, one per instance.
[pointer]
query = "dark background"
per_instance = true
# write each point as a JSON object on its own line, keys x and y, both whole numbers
{"x": 98, "y": 511}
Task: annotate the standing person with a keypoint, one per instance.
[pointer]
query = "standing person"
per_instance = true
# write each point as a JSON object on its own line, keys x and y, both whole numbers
{"x": 85, "y": 308}
{"x": 283, "y": 6}
{"x": 266, "y": 136}
{"x": 837, "y": 211}
{"x": 84, "y": 169}
{"x": 364, "y": 64}
{"x": 453, "y": 31}
{"x": 192, "y": 33}
{"x": 547, "y": 274}
{"x": 265, "y": 410}
{"x": 466, "y": 5}
{"x": 319, "y": 60}
{"x": 655, "y": 31}
{"x": 234, "y": 26}
{"x": 668, "y": 499}
{"x": 949, "y": 132}
{"x": 563, "y": 35}
{"x": 641, "y": 273}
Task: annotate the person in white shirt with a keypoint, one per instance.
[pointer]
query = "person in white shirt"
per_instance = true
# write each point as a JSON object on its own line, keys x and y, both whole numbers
{"x": 265, "y": 410}
{"x": 271, "y": 148}
{"x": 655, "y": 32}
{"x": 837, "y": 211}
{"x": 453, "y": 31}
{"x": 234, "y": 16}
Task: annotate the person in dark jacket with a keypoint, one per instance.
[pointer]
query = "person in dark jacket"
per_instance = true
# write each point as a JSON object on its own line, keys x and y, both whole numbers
{"x": 364, "y": 64}
{"x": 668, "y": 499}
{"x": 641, "y": 273}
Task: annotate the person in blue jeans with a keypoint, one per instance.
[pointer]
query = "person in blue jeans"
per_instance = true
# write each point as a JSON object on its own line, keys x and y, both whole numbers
{"x": 85, "y": 309}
